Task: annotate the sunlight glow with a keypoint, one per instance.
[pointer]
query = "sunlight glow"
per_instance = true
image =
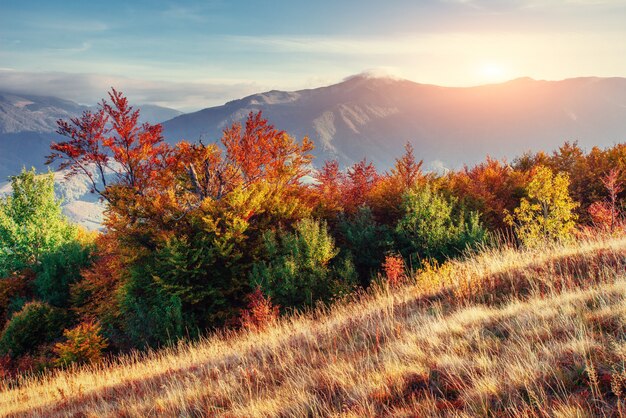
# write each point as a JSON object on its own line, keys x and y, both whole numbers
{"x": 492, "y": 72}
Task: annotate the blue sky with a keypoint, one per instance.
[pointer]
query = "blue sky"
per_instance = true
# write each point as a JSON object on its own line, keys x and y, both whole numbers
{"x": 194, "y": 54}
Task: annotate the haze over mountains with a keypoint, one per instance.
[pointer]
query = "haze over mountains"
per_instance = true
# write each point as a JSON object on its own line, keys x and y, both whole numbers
{"x": 363, "y": 116}
{"x": 373, "y": 117}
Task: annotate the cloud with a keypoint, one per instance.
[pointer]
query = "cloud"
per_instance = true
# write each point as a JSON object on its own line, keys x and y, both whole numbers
{"x": 90, "y": 88}
{"x": 378, "y": 72}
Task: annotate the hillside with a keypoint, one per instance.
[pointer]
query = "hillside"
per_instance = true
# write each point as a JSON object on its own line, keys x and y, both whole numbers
{"x": 374, "y": 117}
{"x": 506, "y": 332}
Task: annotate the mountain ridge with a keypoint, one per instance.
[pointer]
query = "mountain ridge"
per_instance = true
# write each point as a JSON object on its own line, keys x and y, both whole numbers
{"x": 373, "y": 117}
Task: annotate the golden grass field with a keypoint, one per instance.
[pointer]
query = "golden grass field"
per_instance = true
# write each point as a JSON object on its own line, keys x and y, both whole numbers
{"x": 503, "y": 333}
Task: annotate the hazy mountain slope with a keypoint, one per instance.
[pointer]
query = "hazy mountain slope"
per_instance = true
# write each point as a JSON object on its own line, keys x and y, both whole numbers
{"x": 374, "y": 117}
{"x": 506, "y": 333}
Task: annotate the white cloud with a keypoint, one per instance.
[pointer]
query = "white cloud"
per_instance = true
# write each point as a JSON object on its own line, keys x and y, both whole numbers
{"x": 90, "y": 88}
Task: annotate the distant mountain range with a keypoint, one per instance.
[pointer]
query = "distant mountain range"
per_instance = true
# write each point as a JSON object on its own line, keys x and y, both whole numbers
{"x": 361, "y": 117}
{"x": 374, "y": 117}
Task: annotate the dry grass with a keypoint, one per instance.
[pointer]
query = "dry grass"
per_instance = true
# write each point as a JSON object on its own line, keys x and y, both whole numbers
{"x": 505, "y": 333}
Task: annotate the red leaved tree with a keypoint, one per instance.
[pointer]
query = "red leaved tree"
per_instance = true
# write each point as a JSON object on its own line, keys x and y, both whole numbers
{"x": 256, "y": 152}
{"x": 606, "y": 214}
{"x": 111, "y": 140}
{"x": 260, "y": 313}
{"x": 361, "y": 178}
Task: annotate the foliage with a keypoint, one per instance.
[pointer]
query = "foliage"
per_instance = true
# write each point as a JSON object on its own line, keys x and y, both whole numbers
{"x": 366, "y": 241}
{"x": 435, "y": 227}
{"x": 297, "y": 270}
{"x": 490, "y": 188}
{"x": 83, "y": 344}
{"x": 59, "y": 270}
{"x": 35, "y": 324}
{"x": 385, "y": 197}
{"x": 360, "y": 180}
{"x": 199, "y": 236}
{"x": 394, "y": 270}
{"x": 260, "y": 311}
{"x": 14, "y": 291}
{"x": 606, "y": 214}
{"x": 31, "y": 223}
{"x": 329, "y": 187}
{"x": 111, "y": 140}
{"x": 547, "y": 213}
{"x": 151, "y": 317}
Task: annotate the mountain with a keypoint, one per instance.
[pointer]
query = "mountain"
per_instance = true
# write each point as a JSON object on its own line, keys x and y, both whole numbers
{"x": 373, "y": 117}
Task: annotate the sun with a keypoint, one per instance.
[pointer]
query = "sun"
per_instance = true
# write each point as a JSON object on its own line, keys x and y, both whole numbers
{"x": 492, "y": 72}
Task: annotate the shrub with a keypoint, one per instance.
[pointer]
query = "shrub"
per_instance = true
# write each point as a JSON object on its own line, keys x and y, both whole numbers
{"x": 150, "y": 316}
{"x": 260, "y": 312}
{"x": 84, "y": 344}
{"x": 436, "y": 227}
{"x": 14, "y": 290}
{"x": 394, "y": 270}
{"x": 297, "y": 271}
{"x": 366, "y": 241}
{"x": 606, "y": 214}
{"x": 37, "y": 323}
{"x": 59, "y": 270}
{"x": 547, "y": 214}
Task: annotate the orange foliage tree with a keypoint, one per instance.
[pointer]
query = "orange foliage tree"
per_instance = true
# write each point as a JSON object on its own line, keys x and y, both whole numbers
{"x": 491, "y": 187}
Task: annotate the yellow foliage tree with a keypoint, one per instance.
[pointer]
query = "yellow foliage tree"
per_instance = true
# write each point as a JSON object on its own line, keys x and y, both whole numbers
{"x": 84, "y": 345}
{"x": 547, "y": 213}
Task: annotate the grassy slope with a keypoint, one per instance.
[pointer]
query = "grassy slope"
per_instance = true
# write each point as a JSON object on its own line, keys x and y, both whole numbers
{"x": 513, "y": 333}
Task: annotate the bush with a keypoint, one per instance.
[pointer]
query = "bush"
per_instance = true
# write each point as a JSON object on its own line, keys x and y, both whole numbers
{"x": 260, "y": 312}
{"x": 150, "y": 317}
{"x": 83, "y": 344}
{"x": 59, "y": 270}
{"x": 436, "y": 227}
{"x": 37, "y": 323}
{"x": 395, "y": 271}
{"x": 366, "y": 241}
{"x": 298, "y": 271}
{"x": 14, "y": 291}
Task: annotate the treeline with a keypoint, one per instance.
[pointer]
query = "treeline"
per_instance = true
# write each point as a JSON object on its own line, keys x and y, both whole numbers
{"x": 198, "y": 237}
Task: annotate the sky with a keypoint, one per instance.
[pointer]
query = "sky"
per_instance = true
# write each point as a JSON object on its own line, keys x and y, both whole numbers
{"x": 194, "y": 54}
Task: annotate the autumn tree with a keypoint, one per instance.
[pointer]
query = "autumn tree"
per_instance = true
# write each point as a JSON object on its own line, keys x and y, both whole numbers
{"x": 361, "y": 178}
{"x": 546, "y": 214}
{"x": 606, "y": 214}
{"x": 251, "y": 153}
{"x": 329, "y": 189}
{"x": 111, "y": 140}
{"x": 407, "y": 170}
{"x": 83, "y": 344}
{"x": 385, "y": 197}
{"x": 490, "y": 188}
